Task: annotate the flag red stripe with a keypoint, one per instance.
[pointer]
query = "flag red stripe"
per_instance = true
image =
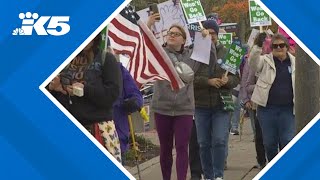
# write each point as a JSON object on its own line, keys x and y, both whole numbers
{"x": 144, "y": 63}
{"x": 138, "y": 42}
{"x": 132, "y": 32}
{"x": 161, "y": 61}
{"x": 135, "y": 56}
{"x": 124, "y": 43}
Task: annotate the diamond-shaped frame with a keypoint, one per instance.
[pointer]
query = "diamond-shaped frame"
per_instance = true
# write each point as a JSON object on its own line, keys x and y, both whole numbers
{"x": 42, "y": 87}
{"x": 104, "y": 24}
{"x": 316, "y": 118}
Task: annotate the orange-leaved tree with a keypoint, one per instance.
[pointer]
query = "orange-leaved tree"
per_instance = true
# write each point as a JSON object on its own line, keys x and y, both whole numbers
{"x": 234, "y": 10}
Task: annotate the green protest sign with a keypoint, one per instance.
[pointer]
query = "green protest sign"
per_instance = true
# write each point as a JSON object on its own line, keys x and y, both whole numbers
{"x": 258, "y": 17}
{"x": 104, "y": 34}
{"x": 233, "y": 58}
{"x": 225, "y": 39}
{"x": 193, "y": 11}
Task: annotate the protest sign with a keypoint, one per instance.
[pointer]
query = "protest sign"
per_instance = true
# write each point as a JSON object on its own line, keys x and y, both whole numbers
{"x": 252, "y": 37}
{"x": 103, "y": 43}
{"x": 234, "y": 29}
{"x": 258, "y": 17}
{"x": 193, "y": 11}
{"x": 225, "y": 39}
{"x": 169, "y": 14}
{"x": 232, "y": 60}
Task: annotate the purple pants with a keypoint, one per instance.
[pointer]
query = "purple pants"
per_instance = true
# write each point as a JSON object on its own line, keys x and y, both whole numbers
{"x": 178, "y": 127}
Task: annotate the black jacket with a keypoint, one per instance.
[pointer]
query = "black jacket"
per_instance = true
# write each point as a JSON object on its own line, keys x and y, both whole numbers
{"x": 101, "y": 89}
{"x": 207, "y": 96}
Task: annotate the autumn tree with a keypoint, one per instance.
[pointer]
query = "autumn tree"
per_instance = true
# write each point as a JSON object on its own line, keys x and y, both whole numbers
{"x": 207, "y": 5}
{"x": 233, "y": 10}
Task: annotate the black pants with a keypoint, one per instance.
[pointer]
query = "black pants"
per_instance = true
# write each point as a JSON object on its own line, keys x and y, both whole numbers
{"x": 261, "y": 155}
{"x": 194, "y": 156}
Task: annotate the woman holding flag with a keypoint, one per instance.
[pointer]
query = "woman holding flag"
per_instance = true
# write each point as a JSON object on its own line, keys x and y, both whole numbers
{"x": 174, "y": 110}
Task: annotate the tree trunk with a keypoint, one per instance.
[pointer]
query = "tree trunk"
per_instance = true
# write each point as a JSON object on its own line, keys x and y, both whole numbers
{"x": 307, "y": 99}
{"x": 244, "y": 28}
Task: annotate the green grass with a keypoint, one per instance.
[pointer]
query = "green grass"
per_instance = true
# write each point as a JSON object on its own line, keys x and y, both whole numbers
{"x": 143, "y": 145}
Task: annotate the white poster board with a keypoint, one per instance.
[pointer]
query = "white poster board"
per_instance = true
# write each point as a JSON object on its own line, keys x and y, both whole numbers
{"x": 169, "y": 14}
{"x": 252, "y": 37}
{"x": 201, "y": 48}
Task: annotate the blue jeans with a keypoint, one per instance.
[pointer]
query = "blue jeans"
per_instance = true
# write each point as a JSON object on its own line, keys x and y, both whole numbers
{"x": 278, "y": 127}
{"x": 235, "y": 118}
{"x": 213, "y": 133}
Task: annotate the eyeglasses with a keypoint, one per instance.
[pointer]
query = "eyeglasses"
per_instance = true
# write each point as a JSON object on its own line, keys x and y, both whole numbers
{"x": 275, "y": 46}
{"x": 212, "y": 33}
{"x": 174, "y": 34}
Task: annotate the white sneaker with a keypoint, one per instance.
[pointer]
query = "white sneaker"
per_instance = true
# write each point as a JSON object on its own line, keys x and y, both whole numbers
{"x": 218, "y": 178}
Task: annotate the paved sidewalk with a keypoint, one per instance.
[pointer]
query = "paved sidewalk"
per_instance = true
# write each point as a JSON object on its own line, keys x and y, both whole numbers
{"x": 241, "y": 158}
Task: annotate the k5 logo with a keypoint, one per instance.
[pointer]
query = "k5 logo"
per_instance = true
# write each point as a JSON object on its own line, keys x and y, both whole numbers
{"x": 57, "y": 25}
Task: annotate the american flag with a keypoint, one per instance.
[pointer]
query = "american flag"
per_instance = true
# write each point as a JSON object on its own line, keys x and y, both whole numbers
{"x": 148, "y": 61}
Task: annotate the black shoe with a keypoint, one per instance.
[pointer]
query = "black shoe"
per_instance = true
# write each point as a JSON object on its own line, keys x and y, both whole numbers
{"x": 234, "y": 132}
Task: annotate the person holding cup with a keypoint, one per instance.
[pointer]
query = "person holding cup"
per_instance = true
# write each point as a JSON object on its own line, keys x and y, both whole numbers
{"x": 87, "y": 88}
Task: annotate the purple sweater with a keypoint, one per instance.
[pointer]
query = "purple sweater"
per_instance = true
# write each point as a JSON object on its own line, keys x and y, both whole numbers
{"x": 120, "y": 115}
{"x": 247, "y": 84}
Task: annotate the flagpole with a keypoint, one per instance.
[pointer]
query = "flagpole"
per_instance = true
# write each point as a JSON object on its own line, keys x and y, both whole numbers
{"x": 106, "y": 38}
{"x": 226, "y": 74}
{"x": 261, "y": 29}
{"x": 200, "y": 24}
{"x": 134, "y": 144}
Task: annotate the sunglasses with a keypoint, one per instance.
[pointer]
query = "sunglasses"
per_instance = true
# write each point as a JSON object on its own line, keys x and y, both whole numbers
{"x": 174, "y": 34}
{"x": 275, "y": 46}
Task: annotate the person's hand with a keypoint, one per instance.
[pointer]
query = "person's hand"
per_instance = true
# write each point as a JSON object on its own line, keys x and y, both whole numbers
{"x": 260, "y": 39}
{"x": 153, "y": 18}
{"x": 248, "y": 105}
{"x": 69, "y": 90}
{"x": 130, "y": 105}
{"x": 215, "y": 82}
{"x": 204, "y": 33}
{"x": 55, "y": 85}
